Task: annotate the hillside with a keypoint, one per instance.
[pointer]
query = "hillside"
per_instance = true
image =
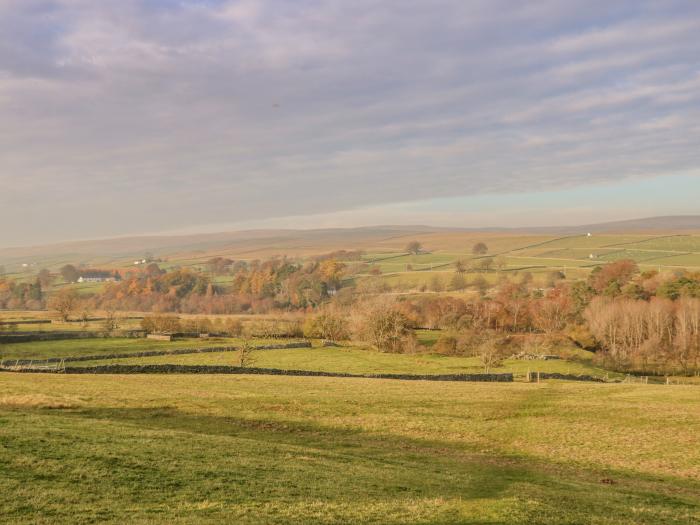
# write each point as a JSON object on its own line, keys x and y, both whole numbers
{"x": 254, "y": 244}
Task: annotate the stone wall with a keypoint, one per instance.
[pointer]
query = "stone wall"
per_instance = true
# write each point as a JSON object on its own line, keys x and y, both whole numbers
{"x": 533, "y": 377}
{"x": 203, "y": 369}
{"x": 29, "y": 337}
{"x": 150, "y": 353}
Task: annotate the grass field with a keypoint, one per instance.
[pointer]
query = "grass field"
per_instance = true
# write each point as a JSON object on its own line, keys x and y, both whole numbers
{"x": 96, "y": 346}
{"x": 245, "y": 449}
{"x": 574, "y": 255}
{"x": 363, "y": 361}
{"x": 538, "y": 254}
{"x": 346, "y": 359}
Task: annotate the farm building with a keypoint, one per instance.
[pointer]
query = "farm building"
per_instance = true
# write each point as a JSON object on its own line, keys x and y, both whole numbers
{"x": 98, "y": 276}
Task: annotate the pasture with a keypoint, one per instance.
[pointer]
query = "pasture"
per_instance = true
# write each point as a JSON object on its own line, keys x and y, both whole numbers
{"x": 250, "y": 449}
{"x": 355, "y": 360}
{"x": 539, "y": 254}
{"x": 574, "y": 255}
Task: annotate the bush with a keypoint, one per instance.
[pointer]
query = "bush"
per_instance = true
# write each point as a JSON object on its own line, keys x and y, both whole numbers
{"x": 385, "y": 328}
{"x": 233, "y": 327}
{"x": 327, "y": 325}
{"x": 160, "y": 324}
{"x": 446, "y": 345}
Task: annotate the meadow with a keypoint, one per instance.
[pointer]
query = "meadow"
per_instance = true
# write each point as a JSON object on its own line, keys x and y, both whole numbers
{"x": 112, "y": 345}
{"x": 357, "y": 360}
{"x": 247, "y": 449}
{"x": 573, "y": 255}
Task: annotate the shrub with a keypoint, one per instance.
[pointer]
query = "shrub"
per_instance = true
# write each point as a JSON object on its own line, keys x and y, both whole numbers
{"x": 160, "y": 324}
{"x": 446, "y": 345}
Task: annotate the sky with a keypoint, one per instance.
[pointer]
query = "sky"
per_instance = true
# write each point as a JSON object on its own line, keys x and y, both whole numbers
{"x": 149, "y": 116}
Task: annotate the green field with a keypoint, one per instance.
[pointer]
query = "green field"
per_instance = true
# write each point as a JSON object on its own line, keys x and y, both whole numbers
{"x": 246, "y": 449}
{"x": 538, "y": 254}
{"x": 574, "y": 255}
{"x": 96, "y": 346}
{"x": 355, "y": 360}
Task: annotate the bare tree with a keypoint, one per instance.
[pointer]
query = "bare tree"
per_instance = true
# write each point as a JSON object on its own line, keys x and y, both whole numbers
{"x": 489, "y": 355}
{"x": 246, "y": 358}
{"x": 85, "y": 314}
{"x": 111, "y": 321}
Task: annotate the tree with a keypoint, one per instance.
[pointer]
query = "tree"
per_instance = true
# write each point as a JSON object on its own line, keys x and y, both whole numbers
{"x": 70, "y": 273}
{"x": 330, "y": 325}
{"x": 500, "y": 262}
{"x": 45, "y": 278}
{"x": 481, "y": 285}
{"x": 489, "y": 355}
{"x": 111, "y": 321}
{"x": 384, "y": 327}
{"x": 460, "y": 266}
{"x": 219, "y": 265}
{"x": 332, "y": 271}
{"x": 458, "y": 283}
{"x": 436, "y": 284}
{"x": 613, "y": 276}
{"x": 246, "y": 358}
{"x": 480, "y": 248}
{"x": 484, "y": 264}
{"x": 153, "y": 270}
{"x": 414, "y": 247}
{"x": 85, "y": 314}
{"x": 64, "y": 302}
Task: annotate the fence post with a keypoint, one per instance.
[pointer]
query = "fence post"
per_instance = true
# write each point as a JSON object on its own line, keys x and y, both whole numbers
{"x": 538, "y": 376}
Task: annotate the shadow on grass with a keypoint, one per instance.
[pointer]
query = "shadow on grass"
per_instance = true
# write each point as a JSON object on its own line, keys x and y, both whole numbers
{"x": 432, "y": 464}
{"x": 163, "y": 457}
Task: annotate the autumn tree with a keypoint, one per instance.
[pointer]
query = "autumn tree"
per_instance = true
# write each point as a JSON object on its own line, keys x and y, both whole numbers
{"x": 332, "y": 271}
{"x": 153, "y": 270}
{"x": 64, "y": 303}
{"x": 160, "y": 324}
{"x": 330, "y": 324}
{"x": 384, "y": 327}
{"x": 613, "y": 276}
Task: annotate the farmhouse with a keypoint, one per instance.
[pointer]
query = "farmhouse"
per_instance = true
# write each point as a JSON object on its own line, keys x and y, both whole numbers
{"x": 98, "y": 276}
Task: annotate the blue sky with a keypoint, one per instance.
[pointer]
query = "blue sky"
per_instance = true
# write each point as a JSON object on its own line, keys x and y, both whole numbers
{"x": 145, "y": 116}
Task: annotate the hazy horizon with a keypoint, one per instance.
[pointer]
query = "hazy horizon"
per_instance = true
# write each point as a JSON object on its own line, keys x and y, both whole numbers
{"x": 162, "y": 117}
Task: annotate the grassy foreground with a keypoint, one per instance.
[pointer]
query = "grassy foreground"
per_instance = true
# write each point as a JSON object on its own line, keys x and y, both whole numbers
{"x": 249, "y": 449}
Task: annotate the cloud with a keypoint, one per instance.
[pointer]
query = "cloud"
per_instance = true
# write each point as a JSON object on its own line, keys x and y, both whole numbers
{"x": 144, "y": 115}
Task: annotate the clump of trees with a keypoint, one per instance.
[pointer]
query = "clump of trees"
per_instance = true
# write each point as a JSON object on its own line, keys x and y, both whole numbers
{"x": 414, "y": 247}
{"x": 480, "y": 248}
{"x": 21, "y": 295}
{"x": 653, "y": 335}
